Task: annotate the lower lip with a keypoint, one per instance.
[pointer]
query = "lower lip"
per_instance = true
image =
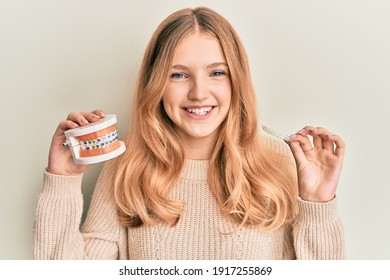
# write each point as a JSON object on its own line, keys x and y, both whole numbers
{"x": 199, "y": 117}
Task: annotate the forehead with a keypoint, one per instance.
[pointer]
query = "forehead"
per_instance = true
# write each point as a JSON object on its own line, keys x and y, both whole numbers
{"x": 198, "y": 48}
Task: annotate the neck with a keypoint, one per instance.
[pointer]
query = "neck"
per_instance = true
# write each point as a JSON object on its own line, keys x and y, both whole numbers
{"x": 196, "y": 152}
{"x": 198, "y": 147}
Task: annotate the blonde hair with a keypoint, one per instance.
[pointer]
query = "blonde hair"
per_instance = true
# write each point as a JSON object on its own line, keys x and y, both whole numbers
{"x": 249, "y": 185}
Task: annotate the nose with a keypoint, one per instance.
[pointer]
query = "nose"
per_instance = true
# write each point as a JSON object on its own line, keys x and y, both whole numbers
{"x": 199, "y": 90}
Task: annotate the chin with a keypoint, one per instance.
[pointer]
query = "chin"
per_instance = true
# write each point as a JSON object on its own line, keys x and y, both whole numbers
{"x": 200, "y": 134}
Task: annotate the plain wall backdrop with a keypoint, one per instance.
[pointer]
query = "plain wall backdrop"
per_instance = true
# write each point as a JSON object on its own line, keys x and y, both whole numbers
{"x": 322, "y": 63}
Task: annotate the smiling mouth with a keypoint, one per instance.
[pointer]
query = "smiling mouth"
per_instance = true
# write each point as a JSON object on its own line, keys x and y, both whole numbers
{"x": 200, "y": 111}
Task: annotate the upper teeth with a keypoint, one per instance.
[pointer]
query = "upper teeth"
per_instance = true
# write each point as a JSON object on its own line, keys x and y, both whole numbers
{"x": 199, "y": 111}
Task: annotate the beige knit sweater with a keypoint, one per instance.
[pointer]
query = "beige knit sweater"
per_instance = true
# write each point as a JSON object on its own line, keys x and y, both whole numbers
{"x": 317, "y": 233}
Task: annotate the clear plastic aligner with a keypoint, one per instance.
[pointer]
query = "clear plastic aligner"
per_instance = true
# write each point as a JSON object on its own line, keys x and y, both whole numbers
{"x": 277, "y": 134}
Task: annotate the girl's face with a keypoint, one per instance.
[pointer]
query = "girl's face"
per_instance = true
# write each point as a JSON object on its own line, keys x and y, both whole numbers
{"x": 198, "y": 93}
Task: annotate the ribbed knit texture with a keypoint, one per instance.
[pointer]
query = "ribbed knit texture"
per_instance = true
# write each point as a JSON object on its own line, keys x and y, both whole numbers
{"x": 201, "y": 233}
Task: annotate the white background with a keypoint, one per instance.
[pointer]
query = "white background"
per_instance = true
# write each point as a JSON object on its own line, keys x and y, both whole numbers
{"x": 322, "y": 63}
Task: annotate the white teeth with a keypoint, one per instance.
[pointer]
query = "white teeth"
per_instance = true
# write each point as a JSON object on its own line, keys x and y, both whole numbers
{"x": 199, "y": 111}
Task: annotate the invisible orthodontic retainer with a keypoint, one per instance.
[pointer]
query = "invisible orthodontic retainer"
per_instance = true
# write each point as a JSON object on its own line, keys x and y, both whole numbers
{"x": 95, "y": 142}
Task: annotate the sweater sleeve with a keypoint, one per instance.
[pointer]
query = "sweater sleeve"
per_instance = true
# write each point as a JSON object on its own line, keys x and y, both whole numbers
{"x": 57, "y": 233}
{"x": 318, "y": 232}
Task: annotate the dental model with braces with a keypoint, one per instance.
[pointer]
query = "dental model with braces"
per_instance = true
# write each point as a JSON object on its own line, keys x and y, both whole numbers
{"x": 95, "y": 142}
{"x": 99, "y": 143}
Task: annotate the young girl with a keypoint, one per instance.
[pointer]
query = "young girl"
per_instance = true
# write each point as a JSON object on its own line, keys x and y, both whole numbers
{"x": 198, "y": 180}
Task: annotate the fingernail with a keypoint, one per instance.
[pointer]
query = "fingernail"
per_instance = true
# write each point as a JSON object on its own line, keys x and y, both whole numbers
{"x": 96, "y": 116}
{"x": 301, "y": 131}
{"x": 84, "y": 121}
{"x": 102, "y": 114}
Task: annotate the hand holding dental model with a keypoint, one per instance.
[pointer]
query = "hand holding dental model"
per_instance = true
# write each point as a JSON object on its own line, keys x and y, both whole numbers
{"x": 318, "y": 167}
{"x": 61, "y": 160}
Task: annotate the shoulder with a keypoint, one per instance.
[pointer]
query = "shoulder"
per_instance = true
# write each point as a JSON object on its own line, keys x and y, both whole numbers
{"x": 277, "y": 149}
{"x": 275, "y": 145}
{"x": 108, "y": 169}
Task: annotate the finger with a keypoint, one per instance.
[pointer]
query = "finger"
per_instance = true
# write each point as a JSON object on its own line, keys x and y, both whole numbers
{"x": 59, "y": 136}
{"x": 304, "y": 142}
{"x": 317, "y": 142}
{"x": 99, "y": 113}
{"x": 327, "y": 143}
{"x": 320, "y": 138}
{"x": 65, "y": 125}
{"x": 305, "y": 131}
{"x": 340, "y": 145}
{"x": 90, "y": 116}
{"x": 77, "y": 118}
{"x": 316, "y": 133}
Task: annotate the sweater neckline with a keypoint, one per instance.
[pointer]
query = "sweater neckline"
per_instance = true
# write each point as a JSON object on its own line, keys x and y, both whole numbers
{"x": 195, "y": 169}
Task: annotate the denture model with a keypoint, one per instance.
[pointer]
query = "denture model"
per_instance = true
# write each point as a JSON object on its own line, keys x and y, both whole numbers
{"x": 95, "y": 142}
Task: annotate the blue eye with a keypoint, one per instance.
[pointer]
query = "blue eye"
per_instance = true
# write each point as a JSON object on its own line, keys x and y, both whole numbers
{"x": 218, "y": 73}
{"x": 178, "y": 76}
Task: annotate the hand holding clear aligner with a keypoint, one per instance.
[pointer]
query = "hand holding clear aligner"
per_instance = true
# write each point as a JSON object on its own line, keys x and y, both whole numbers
{"x": 318, "y": 155}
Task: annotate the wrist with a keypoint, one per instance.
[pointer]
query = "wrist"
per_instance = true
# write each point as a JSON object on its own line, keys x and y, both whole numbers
{"x": 320, "y": 199}
{"x": 55, "y": 171}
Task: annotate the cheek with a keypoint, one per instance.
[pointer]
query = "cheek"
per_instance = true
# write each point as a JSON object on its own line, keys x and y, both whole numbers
{"x": 174, "y": 96}
{"x": 167, "y": 108}
{"x": 224, "y": 95}
{"x": 168, "y": 98}
{"x": 170, "y": 105}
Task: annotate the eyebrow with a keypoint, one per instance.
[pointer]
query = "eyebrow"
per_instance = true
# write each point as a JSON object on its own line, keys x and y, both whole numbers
{"x": 212, "y": 65}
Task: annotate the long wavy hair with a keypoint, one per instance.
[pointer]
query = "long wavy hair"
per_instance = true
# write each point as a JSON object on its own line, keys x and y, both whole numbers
{"x": 245, "y": 176}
